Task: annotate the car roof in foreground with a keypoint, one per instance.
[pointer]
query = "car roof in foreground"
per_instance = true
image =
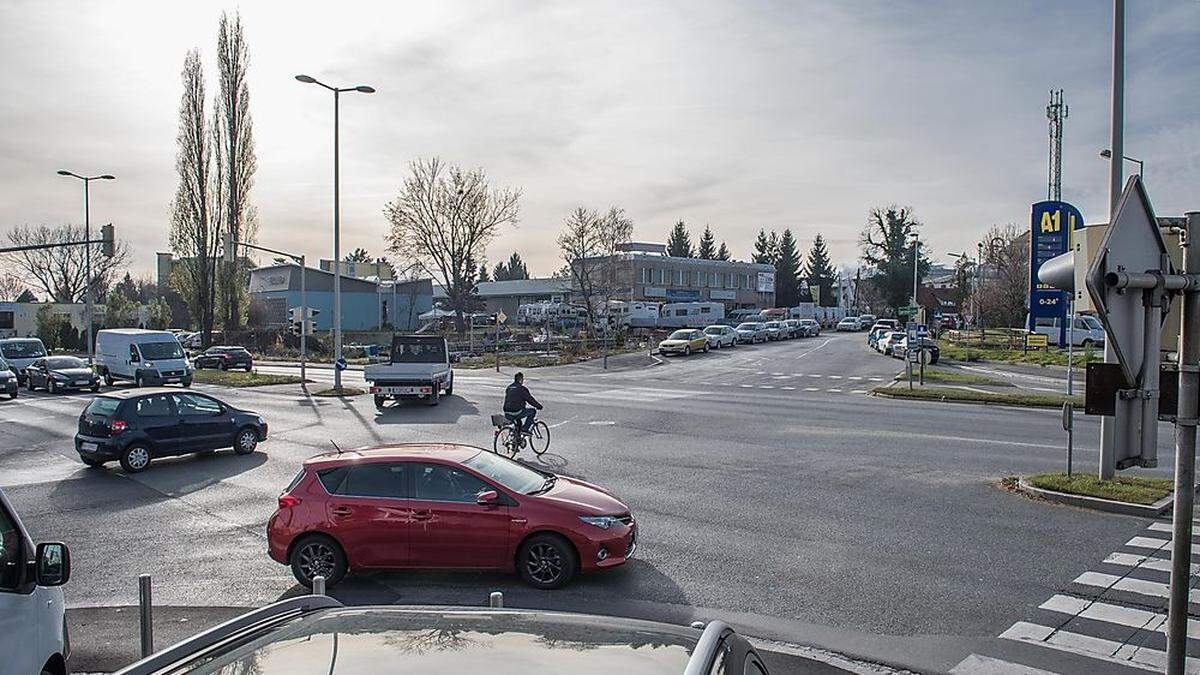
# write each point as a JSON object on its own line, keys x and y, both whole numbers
{"x": 454, "y": 452}
{"x": 125, "y": 394}
{"x": 461, "y": 640}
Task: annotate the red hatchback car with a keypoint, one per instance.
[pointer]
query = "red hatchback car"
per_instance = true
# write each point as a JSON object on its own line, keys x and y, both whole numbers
{"x": 445, "y": 506}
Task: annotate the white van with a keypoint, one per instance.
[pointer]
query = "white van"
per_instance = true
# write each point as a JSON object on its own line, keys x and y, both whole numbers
{"x": 1087, "y": 331}
{"x": 148, "y": 357}
{"x": 20, "y": 352}
{"x": 33, "y": 627}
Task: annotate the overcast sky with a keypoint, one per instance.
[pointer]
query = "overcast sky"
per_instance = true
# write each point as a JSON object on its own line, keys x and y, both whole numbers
{"x": 741, "y": 115}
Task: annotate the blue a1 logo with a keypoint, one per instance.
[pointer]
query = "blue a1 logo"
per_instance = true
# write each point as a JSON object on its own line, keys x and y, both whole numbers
{"x": 1050, "y": 226}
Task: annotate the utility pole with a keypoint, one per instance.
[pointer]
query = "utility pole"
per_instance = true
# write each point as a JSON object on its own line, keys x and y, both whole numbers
{"x": 1185, "y": 455}
{"x": 916, "y": 261}
{"x": 87, "y": 236}
{"x": 1116, "y": 145}
{"x": 1056, "y": 112}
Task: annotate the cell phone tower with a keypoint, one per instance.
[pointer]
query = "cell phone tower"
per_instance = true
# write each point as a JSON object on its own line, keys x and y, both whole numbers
{"x": 1056, "y": 112}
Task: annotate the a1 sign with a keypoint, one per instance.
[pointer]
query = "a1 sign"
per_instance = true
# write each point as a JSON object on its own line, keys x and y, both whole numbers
{"x": 1051, "y": 224}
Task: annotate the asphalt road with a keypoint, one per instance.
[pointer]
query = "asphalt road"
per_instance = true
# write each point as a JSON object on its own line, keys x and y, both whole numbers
{"x": 770, "y": 489}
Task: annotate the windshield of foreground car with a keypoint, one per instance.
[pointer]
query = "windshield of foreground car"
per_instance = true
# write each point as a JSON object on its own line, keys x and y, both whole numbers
{"x": 681, "y": 335}
{"x": 156, "y": 351}
{"x": 64, "y": 362}
{"x": 23, "y": 349}
{"x": 512, "y": 475}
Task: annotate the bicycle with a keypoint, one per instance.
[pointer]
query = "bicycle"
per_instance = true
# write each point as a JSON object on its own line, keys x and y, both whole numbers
{"x": 509, "y": 438}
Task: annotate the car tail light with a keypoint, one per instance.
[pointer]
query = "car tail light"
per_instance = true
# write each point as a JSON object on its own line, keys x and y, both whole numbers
{"x": 287, "y": 501}
{"x": 116, "y": 426}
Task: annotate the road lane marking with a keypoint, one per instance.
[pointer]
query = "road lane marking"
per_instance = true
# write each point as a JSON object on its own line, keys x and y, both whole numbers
{"x": 766, "y": 386}
{"x": 838, "y": 391}
{"x": 1091, "y": 647}
{"x": 860, "y": 391}
{"x": 1131, "y": 585}
{"x": 834, "y": 377}
{"x": 1156, "y": 544}
{"x": 1131, "y": 617}
{"x": 811, "y": 389}
{"x": 827, "y": 341}
{"x": 975, "y": 664}
{"x": 788, "y": 388}
{"x": 1160, "y": 527}
{"x": 1144, "y": 562}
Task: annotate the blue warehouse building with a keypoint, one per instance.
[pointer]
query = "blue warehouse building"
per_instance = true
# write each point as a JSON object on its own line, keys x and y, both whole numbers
{"x": 367, "y": 304}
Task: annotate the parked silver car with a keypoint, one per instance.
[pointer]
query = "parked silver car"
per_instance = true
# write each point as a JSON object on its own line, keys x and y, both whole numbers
{"x": 750, "y": 332}
{"x": 721, "y": 336}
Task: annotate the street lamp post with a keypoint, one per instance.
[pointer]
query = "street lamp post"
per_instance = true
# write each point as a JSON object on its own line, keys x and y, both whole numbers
{"x": 916, "y": 261}
{"x": 337, "y": 242}
{"x": 87, "y": 260}
{"x": 1107, "y": 154}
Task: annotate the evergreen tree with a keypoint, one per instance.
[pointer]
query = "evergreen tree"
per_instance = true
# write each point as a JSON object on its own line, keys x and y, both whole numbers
{"x": 512, "y": 270}
{"x": 723, "y": 252}
{"x": 763, "y": 250}
{"x": 358, "y": 255}
{"x": 679, "y": 244}
{"x": 708, "y": 245}
{"x": 483, "y": 273}
{"x": 787, "y": 271}
{"x": 820, "y": 273}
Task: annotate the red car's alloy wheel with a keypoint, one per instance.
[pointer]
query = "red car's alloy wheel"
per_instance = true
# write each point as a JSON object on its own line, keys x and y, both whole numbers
{"x": 544, "y": 563}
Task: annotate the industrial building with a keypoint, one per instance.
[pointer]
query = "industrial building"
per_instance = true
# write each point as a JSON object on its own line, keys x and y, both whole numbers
{"x": 366, "y": 304}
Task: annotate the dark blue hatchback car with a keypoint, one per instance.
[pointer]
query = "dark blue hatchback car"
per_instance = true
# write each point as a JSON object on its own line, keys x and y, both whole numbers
{"x": 134, "y": 426}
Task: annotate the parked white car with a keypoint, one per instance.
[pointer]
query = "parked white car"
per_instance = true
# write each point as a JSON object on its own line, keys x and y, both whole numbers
{"x": 721, "y": 336}
{"x": 887, "y": 343}
{"x": 148, "y": 357}
{"x": 33, "y": 625}
{"x": 849, "y": 324}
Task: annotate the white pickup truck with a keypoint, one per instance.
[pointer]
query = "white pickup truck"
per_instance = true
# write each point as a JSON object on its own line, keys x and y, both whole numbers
{"x": 419, "y": 367}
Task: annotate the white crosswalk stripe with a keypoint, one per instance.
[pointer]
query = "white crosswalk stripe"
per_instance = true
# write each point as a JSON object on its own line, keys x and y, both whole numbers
{"x": 1119, "y": 619}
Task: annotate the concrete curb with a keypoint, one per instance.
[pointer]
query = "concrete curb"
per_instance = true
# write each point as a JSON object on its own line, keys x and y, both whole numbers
{"x": 878, "y": 392}
{"x": 1096, "y": 503}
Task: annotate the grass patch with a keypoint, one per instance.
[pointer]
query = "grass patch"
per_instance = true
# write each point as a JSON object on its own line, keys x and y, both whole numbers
{"x": 953, "y": 377}
{"x": 1032, "y": 400}
{"x": 345, "y": 391}
{"x": 1133, "y": 490}
{"x": 1040, "y": 357}
{"x": 229, "y": 378}
{"x": 552, "y": 358}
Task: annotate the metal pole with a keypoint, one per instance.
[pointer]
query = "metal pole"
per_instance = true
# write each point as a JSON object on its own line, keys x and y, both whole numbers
{"x": 497, "y": 345}
{"x": 1185, "y": 458}
{"x": 145, "y": 619}
{"x": 318, "y": 587}
{"x": 303, "y": 325}
{"x": 337, "y": 255}
{"x": 1071, "y": 345}
{"x": 916, "y": 259}
{"x": 1151, "y": 357}
{"x": 87, "y": 235}
{"x": 496, "y": 599}
{"x": 1116, "y": 145}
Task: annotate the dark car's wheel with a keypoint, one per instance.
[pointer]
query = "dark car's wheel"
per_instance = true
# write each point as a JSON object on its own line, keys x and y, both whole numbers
{"x": 435, "y": 395}
{"x": 137, "y": 381}
{"x": 246, "y": 441}
{"x": 380, "y": 401}
{"x": 450, "y": 386}
{"x": 135, "y": 458}
{"x": 318, "y": 555}
{"x": 51, "y": 387}
{"x": 187, "y": 382}
{"x": 108, "y": 381}
{"x": 90, "y": 462}
{"x": 96, "y": 387}
{"x": 546, "y": 561}
{"x": 222, "y": 366}
{"x": 687, "y": 351}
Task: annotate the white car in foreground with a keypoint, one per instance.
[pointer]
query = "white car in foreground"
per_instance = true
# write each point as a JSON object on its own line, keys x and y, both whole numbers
{"x": 721, "y": 336}
{"x": 33, "y": 626}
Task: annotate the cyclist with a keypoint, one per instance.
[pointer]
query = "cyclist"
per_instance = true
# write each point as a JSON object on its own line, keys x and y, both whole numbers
{"x": 516, "y": 396}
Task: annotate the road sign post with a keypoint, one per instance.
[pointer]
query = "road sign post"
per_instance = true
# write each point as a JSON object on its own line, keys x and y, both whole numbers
{"x": 1185, "y": 456}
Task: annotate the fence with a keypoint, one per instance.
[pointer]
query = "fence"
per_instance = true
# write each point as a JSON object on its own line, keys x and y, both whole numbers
{"x": 988, "y": 338}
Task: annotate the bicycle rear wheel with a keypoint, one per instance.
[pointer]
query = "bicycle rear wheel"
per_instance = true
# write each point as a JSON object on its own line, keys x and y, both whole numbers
{"x": 502, "y": 442}
{"x": 539, "y": 438}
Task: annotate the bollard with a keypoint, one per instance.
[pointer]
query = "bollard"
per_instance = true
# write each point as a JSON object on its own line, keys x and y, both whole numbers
{"x": 496, "y": 599}
{"x": 145, "y": 620}
{"x": 318, "y": 587}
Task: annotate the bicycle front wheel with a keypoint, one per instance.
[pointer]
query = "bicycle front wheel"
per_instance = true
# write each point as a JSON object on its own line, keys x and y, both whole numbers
{"x": 539, "y": 438}
{"x": 502, "y": 442}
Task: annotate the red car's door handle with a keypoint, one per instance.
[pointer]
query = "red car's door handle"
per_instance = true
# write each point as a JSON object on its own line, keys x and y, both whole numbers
{"x": 341, "y": 510}
{"x": 422, "y": 515}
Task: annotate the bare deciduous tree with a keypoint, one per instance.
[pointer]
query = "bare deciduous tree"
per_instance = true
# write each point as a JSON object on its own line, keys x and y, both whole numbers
{"x": 1004, "y": 286}
{"x": 195, "y": 230}
{"x": 443, "y": 219}
{"x": 61, "y": 272}
{"x": 11, "y": 287}
{"x": 233, "y": 158}
{"x": 589, "y": 243}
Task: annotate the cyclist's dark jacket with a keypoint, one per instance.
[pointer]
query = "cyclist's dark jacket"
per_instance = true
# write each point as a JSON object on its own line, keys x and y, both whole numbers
{"x": 515, "y": 398}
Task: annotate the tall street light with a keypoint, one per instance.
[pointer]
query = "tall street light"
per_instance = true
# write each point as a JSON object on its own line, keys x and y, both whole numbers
{"x": 1107, "y": 154}
{"x": 337, "y": 242}
{"x": 916, "y": 260}
{"x": 87, "y": 263}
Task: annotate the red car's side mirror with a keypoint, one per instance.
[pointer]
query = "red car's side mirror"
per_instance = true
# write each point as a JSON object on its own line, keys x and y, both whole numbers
{"x": 487, "y": 498}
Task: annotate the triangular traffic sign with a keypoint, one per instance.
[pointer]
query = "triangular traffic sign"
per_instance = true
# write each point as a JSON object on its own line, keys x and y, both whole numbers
{"x": 1132, "y": 243}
